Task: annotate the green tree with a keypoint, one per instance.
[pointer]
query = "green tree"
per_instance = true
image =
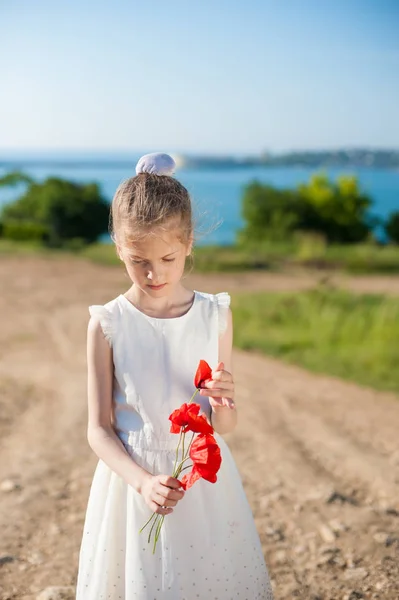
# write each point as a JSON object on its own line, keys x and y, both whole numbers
{"x": 66, "y": 209}
{"x": 14, "y": 178}
{"x": 336, "y": 209}
{"x": 268, "y": 213}
{"x": 392, "y": 227}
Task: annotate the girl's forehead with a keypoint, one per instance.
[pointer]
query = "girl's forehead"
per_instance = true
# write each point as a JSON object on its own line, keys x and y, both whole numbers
{"x": 152, "y": 245}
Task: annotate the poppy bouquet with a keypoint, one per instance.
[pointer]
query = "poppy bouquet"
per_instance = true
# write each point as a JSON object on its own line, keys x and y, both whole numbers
{"x": 202, "y": 448}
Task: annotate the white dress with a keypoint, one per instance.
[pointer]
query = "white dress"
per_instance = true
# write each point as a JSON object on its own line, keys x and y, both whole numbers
{"x": 209, "y": 547}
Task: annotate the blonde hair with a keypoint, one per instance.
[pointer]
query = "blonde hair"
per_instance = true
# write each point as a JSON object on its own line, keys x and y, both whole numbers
{"x": 149, "y": 201}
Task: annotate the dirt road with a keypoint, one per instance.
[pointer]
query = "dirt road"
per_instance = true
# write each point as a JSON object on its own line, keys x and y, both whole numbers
{"x": 319, "y": 458}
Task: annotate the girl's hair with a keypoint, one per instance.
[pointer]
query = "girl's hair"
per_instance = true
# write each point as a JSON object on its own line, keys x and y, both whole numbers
{"x": 146, "y": 201}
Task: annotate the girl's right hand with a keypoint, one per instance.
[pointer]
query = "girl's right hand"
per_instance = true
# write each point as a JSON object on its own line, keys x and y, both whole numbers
{"x": 161, "y": 492}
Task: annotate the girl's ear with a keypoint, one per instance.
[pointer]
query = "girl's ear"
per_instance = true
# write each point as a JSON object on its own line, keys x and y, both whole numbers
{"x": 119, "y": 253}
{"x": 190, "y": 245}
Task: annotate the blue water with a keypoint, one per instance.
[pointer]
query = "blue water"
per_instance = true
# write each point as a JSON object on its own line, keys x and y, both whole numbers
{"x": 217, "y": 193}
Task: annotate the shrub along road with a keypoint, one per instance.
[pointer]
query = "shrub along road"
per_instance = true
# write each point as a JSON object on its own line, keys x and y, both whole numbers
{"x": 319, "y": 457}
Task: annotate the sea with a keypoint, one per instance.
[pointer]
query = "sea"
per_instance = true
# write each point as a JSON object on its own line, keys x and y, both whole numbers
{"x": 216, "y": 192}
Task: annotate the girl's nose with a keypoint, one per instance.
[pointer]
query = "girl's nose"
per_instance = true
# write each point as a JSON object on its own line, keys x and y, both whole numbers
{"x": 153, "y": 276}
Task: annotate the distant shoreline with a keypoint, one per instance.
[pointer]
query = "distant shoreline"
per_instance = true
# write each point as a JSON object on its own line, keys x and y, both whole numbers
{"x": 360, "y": 158}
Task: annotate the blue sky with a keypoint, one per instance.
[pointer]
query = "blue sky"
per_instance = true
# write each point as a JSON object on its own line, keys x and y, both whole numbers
{"x": 213, "y": 76}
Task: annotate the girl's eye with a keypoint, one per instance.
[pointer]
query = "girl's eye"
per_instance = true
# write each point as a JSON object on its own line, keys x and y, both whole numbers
{"x": 136, "y": 262}
{"x": 168, "y": 259}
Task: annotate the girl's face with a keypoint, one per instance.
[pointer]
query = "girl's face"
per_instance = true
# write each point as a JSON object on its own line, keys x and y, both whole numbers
{"x": 156, "y": 263}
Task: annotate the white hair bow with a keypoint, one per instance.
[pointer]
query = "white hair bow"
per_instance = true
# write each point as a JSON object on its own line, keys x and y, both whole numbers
{"x": 156, "y": 163}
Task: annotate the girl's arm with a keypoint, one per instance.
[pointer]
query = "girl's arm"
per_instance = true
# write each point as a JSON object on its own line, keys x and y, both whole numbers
{"x": 160, "y": 492}
{"x": 100, "y": 433}
{"x": 221, "y": 389}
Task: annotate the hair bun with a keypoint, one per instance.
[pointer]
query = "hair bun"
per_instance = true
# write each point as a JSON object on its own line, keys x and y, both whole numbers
{"x": 156, "y": 163}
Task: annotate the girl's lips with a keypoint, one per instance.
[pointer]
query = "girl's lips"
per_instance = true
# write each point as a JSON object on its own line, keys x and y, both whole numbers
{"x": 157, "y": 287}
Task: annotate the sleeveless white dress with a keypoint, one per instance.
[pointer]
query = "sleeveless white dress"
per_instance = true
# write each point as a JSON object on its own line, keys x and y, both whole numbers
{"x": 209, "y": 547}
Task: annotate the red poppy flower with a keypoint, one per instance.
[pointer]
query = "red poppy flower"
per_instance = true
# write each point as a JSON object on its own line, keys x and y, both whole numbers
{"x": 205, "y": 454}
{"x": 203, "y": 373}
{"x": 187, "y": 418}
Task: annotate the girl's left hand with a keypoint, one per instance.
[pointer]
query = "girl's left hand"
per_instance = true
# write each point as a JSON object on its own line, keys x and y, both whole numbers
{"x": 220, "y": 388}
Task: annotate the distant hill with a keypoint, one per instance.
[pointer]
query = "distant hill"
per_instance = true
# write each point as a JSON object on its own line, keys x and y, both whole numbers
{"x": 388, "y": 159}
{"x": 384, "y": 159}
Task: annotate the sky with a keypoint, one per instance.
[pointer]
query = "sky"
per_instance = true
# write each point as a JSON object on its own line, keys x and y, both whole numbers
{"x": 216, "y": 76}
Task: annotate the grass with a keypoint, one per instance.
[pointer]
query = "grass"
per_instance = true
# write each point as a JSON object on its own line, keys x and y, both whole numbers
{"x": 354, "y": 337}
{"x": 304, "y": 251}
{"x": 325, "y": 330}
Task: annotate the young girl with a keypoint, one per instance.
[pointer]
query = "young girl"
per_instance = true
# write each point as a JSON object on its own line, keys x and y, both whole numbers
{"x": 143, "y": 349}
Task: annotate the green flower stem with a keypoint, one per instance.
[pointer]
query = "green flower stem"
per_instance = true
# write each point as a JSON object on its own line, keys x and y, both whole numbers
{"x": 152, "y": 527}
{"x": 193, "y": 396}
{"x": 147, "y": 522}
{"x": 177, "y": 451}
{"x": 179, "y": 467}
{"x": 184, "y": 468}
{"x": 189, "y": 446}
{"x": 158, "y": 532}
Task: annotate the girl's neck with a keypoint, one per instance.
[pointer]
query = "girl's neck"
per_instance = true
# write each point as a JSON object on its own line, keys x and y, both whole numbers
{"x": 173, "y": 303}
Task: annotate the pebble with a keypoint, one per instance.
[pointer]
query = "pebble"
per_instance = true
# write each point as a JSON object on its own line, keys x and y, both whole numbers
{"x": 338, "y": 526}
{"x": 280, "y": 557}
{"x": 350, "y": 561}
{"x": 54, "y": 529}
{"x": 381, "y": 537}
{"x": 380, "y": 585}
{"x": 325, "y": 559}
{"x": 6, "y": 558}
{"x": 336, "y": 496}
{"x": 353, "y": 595}
{"x": 326, "y": 533}
{"x": 356, "y": 573}
{"x": 8, "y": 485}
{"x": 35, "y": 558}
{"x": 328, "y": 555}
{"x": 277, "y": 534}
{"x": 74, "y": 485}
{"x": 394, "y": 458}
{"x": 57, "y": 593}
{"x": 75, "y": 517}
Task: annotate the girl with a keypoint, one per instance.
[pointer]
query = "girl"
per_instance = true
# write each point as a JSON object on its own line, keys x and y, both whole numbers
{"x": 143, "y": 349}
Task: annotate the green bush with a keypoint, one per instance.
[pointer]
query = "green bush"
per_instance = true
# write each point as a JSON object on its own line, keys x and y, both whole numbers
{"x": 337, "y": 211}
{"x": 23, "y": 231}
{"x": 268, "y": 213}
{"x": 392, "y": 227}
{"x": 65, "y": 209}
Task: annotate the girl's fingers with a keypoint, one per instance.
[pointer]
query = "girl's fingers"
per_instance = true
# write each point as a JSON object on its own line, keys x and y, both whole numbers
{"x": 170, "y": 482}
{"x": 222, "y": 402}
{"x": 218, "y": 393}
{"x": 220, "y": 385}
{"x": 221, "y": 376}
{"x": 163, "y": 511}
{"x": 164, "y": 502}
{"x": 159, "y": 510}
{"x": 219, "y": 367}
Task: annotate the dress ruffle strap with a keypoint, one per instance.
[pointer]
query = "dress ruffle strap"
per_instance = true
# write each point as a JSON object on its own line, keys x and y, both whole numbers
{"x": 105, "y": 320}
{"x": 223, "y": 300}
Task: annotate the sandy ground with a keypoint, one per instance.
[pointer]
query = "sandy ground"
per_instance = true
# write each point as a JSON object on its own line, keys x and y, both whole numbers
{"x": 319, "y": 458}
